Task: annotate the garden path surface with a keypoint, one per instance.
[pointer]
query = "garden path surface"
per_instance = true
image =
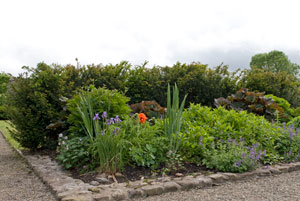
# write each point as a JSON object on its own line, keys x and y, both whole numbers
{"x": 17, "y": 181}
{"x": 283, "y": 187}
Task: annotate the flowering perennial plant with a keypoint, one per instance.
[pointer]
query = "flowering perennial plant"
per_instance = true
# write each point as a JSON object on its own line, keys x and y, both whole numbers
{"x": 142, "y": 118}
{"x": 73, "y": 152}
{"x": 232, "y": 156}
{"x": 107, "y": 149}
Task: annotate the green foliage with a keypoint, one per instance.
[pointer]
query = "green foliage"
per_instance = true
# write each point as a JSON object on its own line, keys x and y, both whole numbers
{"x": 280, "y": 84}
{"x": 231, "y": 157}
{"x": 6, "y": 128}
{"x": 284, "y": 104}
{"x": 73, "y": 153}
{"x": 295, "y": 122}
{"x": 252, "y": 102}
{"x": 87, "y": 103}
{"x": 173, "y": 120}
{"x": 107, "y": 149}
{"x": 4, "y": 79}
{"x": 203, "y": 124}
{"x": 204, "y": 84}
{"x": 145, "y": 145}
{"x": 288, "y": 144}
{"x": 274, "y": 61}
{"x": 33, "y": 102}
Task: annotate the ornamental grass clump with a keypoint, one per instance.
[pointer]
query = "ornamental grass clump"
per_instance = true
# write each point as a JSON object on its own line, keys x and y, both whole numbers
{"x": 173, "y": 121}
{"x": 106, "y": 148}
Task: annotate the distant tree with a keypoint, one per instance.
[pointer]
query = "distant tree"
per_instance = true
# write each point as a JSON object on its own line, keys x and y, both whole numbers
{"x": 4, "y": 79}
{"x": 274, "y": 61}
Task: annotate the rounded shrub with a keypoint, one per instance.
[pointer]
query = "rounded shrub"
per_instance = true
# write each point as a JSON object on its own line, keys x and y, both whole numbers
{"x": 99, "y": 100}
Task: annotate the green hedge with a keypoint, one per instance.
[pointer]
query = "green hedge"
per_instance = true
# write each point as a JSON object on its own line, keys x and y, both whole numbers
{"x": 35, "y": 97}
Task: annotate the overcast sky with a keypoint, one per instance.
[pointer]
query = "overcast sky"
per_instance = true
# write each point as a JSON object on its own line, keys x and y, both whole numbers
{"x": 159, "y": 31}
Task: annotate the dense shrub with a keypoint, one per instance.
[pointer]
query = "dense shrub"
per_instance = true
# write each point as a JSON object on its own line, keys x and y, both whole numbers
{"x": 285, "y": 105}
{"x": 4, "y": 79}
{"x": 252, "y": 102}
{"x": 99, "y": 100}
{"x": 203, "y": 84}
{"x": 231, "y": 156}
{"x": 202, "y": 125}
{"x": 33, "y": 100}
{"x": 145, "y": 146}
{"x": 280, "y": 84}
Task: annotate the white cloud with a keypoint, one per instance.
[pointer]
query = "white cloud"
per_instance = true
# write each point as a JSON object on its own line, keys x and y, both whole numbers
{"x": 161, "y": 32}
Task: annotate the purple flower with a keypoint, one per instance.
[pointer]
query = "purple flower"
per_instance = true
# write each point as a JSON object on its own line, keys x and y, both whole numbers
{"x": 110, "y": 121}
{"x": 104, "y": 115}
{"x": 238, "y": 164}
{"x": 284, "y": 125}
{"x": 116, "y": 130}
{"x": 252, "y": 153}
{"x": 243, "y": 155}
{"x": 290, "y": 153}
{"x": 117, "y": 119}
{"x": 217, "y": 138}
{"x": 264, "y": 153}
{"x": 267, "y": 167}
{"x": 258, "y": 156}
{"x": 96, "y": 117}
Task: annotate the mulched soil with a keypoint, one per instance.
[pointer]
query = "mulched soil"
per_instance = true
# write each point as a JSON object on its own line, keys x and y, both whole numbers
{"x": 130, "y": 173}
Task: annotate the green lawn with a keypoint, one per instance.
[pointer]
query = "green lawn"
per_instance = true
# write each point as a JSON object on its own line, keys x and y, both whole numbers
{"x": 4, "y": 128}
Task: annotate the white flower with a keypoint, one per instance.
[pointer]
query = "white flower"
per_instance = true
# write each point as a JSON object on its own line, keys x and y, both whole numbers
{"x": 59, "y": 143}
{"x": 67, "y": 148}
{"x": 66, "y": 137}
{"x": 60, "y": 135}
{"x": 63, "y": 142}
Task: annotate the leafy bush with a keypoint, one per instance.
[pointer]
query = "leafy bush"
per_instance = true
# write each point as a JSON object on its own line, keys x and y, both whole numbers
{"x": 73, "y": 153}
{"x": 145, "y": 146}
{"x": 203, "y": 124}
{"x": 33, "y": 102}
{"x": 295, "y": 122}
{"x": 253, "y": 102}
{"x": 4, "y": 79}
{"x": 280, "y": 84}
{"x": 95, "y": 101}
{"x": 231, "y": 156}
{"x": 284, "y": 104}
{"x": 288, "y": 144}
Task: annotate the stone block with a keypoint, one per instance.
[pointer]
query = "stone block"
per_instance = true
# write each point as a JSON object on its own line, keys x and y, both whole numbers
{"x": 171, "y": 186}
{"x": 153, "y": 190}
{"x": 188, "y": 183}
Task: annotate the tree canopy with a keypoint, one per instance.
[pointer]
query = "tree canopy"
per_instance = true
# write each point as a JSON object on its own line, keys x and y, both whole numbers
{"x": 274, "y": 61}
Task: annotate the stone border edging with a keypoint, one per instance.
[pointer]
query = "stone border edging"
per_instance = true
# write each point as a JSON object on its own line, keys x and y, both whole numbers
{"x": 65, "y": 188}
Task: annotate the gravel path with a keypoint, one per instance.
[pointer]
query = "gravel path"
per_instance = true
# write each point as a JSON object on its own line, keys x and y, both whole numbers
{"x": 284, "y": 187}
{"x": 17, "y": 182}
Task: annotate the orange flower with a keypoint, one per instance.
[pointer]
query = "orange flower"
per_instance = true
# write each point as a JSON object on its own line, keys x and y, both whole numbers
{"x": 142, "y": 118}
